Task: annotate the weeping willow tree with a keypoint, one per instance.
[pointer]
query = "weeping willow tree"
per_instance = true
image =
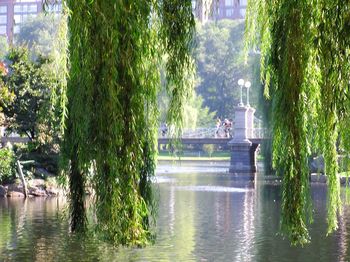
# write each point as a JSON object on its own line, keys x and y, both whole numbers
{"x": 305, "y": 49}
{"x": 110, "y": 106}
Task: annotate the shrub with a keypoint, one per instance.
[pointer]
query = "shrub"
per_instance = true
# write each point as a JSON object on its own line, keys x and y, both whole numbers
{"x": 209, "y": 149}
{"x": 7, "y": 165}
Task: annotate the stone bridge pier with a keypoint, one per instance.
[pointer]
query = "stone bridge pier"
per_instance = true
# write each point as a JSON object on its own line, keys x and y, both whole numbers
{"x": 243, "y": 150}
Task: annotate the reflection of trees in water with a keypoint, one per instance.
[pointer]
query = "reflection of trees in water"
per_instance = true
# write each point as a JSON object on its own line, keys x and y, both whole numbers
{"x": 34, "y": 228}
{"x": 183, "y": 238}
{"x": 37, "y": 230}
{"x": 271, "y": 246}
{"x": 176, "y": 225}
{"x": 13, "y": 218}
{"x": 5, "y": 225}
{"x": 267, "y": 216}
{"x": 344, "y": 226}
{"x": 343, "y": 236}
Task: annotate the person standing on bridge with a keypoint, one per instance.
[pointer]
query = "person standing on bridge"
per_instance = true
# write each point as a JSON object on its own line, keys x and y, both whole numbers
{"x": 164, "y": 129}
{"x": 227, "y": 126}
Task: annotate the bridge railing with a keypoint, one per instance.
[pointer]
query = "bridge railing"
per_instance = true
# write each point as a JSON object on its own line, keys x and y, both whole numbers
{"x": 216, "y": 133}
{"x": 259, "y": 133}
{"x": 192, "y": 133}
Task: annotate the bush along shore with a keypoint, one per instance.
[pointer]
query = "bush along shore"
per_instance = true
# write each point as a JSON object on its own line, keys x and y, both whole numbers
{"x": 27, "y": 178}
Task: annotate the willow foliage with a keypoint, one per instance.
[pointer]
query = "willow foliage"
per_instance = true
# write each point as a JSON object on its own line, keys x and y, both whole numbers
{"x": 305, "y": 63}
{"x": 110, "y": 106}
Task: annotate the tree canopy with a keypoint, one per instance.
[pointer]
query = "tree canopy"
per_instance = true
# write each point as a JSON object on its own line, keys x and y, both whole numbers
{"x": 305, "y": 62}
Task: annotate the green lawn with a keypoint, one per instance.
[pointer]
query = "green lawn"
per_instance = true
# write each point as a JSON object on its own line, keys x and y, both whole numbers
{"x": 199, "y": 156}
{"x": 195, "y": 156}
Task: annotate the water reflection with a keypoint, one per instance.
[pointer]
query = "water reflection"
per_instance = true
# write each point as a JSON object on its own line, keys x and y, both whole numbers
{"x": 202, "y": 217}
{"x": 248, "y": 231}
{"x": 30, "y": 225}
{"x": 172, "y": 210}
{"x": 342, "y": 247}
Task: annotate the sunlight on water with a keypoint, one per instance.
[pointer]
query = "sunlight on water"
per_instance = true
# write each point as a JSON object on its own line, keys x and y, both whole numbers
{"x": 213, "y": 189}
{"x": 183, "y": 168}
{"x": 162, "y": 179}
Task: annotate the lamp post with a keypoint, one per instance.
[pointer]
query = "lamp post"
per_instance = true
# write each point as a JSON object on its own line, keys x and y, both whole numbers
{"x": 241, "y": 83}
{"x": 247, "y": 85}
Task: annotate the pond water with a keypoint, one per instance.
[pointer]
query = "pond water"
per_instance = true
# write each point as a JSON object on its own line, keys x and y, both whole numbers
{"x": 204, "y": 215}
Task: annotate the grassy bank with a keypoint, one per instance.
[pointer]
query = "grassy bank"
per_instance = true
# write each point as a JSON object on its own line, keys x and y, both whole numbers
{"x": 194, "y": 156}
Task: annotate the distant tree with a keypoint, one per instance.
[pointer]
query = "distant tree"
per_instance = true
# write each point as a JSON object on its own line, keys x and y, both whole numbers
{"x": 205, "y": 118}
{"x": 46, "y": 36}
{"x": 31, "y": 84}
{"x": 39, "y": 34}
{"x": 195, "y": 114}
{"x": 220, "y": 63}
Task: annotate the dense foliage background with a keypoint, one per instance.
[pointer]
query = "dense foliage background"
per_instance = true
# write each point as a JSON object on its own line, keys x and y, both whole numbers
{"x": 221, "y": 63}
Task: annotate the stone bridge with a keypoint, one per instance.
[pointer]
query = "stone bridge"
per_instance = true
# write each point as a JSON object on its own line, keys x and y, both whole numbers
{"x": 245, "y": 138}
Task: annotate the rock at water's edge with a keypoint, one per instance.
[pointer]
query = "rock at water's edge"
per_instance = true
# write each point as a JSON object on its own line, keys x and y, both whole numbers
{"x": 15, "y": 194}
{"x": 39, "y": 193}
{"x": 52, "y": 191}
{"x": 15, "y": 187}
{"x": 3, "y": 191}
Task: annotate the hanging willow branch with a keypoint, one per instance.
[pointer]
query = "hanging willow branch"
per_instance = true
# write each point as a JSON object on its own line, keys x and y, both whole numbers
{"x": 115, "y": 51}
{"x": 305, "y": 67}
